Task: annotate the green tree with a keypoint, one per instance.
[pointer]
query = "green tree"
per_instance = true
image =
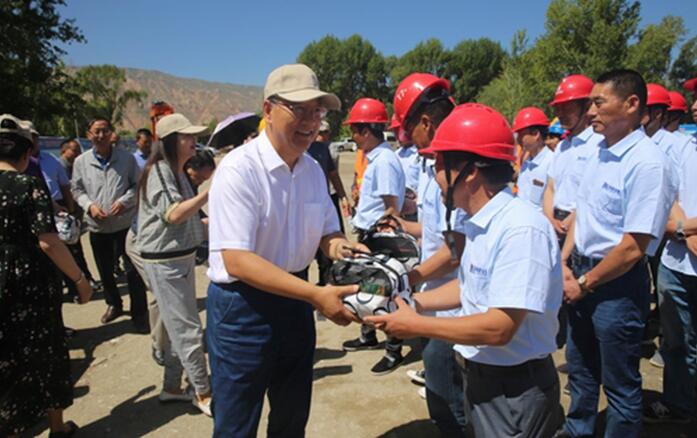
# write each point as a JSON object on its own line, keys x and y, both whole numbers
{"x": 350, "y": 68}
{"x": 472, "y": 65}
{"x": 33, "y": 84}
{"x": 427, "y": 57}
{"x": 651, "y": 53}
{"x": 102, "y": 89}
{"x": 685, "y": 65}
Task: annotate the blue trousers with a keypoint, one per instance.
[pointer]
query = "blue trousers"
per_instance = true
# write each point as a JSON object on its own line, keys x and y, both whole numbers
{"x": 445, "y": 392}
{"x": 259, "y": 344}
{"x": 604, "y": 348}
{"x": 677, "y": 298}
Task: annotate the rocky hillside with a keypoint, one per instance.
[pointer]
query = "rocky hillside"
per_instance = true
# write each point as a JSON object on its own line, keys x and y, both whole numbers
{"x": 200, "y": 101}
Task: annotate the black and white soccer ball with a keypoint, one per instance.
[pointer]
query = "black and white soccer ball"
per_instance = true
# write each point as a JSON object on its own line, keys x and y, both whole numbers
{"x": 381, "y": 279}
{"x": 384, "y": 237}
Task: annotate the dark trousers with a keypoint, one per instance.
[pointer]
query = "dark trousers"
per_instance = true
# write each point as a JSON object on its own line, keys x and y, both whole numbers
{"x": 79, "y": 256}
{"x": 106, "y": 247}
{"x": 562, "y": 316}
{"x": 518, "y": 401}
{"x": 444, "y": 389}
{"x": 604, "y": 348}
{"x": 335, "y": 201}
{"x": 259, "y": 343}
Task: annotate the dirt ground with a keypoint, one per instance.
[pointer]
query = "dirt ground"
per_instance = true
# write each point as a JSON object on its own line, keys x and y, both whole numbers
{"x": 117, "y": 382}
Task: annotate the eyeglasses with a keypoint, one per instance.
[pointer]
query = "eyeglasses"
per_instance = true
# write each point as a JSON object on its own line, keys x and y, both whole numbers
{"x": 300, "y": 111}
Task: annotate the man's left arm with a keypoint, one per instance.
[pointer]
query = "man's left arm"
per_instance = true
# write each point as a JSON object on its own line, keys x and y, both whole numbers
{"x": 128, "y": 199}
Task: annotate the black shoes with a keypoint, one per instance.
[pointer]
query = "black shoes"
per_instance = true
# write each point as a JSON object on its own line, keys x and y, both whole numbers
{"x": 359, "y": 344}
{"x": 111, "y": 314}
{"x": 387, "y": 364}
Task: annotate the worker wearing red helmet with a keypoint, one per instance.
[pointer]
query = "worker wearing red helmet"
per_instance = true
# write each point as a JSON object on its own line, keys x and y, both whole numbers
{"x": 677, "y": 287}
{"x": 676, "y": 112}
{"x": 691, "y": 86}
{"x": 530, "y": 126}
{"x": 382, "y": 188}
{"x": 570, "y": 103}
{"x": 509, "y": 285}
{"x": 422, "y": 101}
{"x": 657, "y": 104}
{"x": 622, "y": 207}
{"x": 409, "y": 157}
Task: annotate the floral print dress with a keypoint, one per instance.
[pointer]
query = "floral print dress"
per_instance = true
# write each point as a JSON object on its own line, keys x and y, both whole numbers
{"x": 34, "y": 361}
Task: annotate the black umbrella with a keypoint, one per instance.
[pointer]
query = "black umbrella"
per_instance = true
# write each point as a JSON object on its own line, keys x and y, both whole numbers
{"x": 234, "y": 130}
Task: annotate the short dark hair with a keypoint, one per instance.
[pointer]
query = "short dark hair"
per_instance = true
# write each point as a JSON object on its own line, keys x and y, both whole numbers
{"x": 13, "y": 146}
{"x": 376, "y": 129}
{"x": 543, "y": 130}
{"x": 67, "y": 141}
{"x": 626, "y": 82}
{"x": 143, "y": 131}
{"x": 99, "y": 119}
{"x": 495, "y": 172}
{"x": 201, "y": 160}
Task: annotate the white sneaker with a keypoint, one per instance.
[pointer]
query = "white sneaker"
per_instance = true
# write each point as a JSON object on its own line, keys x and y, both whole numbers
{"x": 166, "y": 397}
{"x": 203, "y": 405}
{"x": 417, "y": 376}
{"x": 422, "y": 392}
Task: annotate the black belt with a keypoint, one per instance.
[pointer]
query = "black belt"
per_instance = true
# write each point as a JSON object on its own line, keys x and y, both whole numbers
{"x": 523, "y": 369}
{"x": 167, "y": 254}
{"x": 560, "y": 214}
{"x": 581, "y": 261}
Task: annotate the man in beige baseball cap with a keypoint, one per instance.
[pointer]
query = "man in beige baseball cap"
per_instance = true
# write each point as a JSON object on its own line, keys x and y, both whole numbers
{"x": 269, "y": 212}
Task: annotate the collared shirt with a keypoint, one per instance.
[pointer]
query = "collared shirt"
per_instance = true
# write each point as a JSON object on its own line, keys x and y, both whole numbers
{"x": 532, "y": 179}
{"x": 409, "y": 158}
{"x": 512, "y": 261}
{"x": 259, "y": 204}
{"x": 141, "y": 159}
{"x": 383, "y": 177}
{"x": 432, "y": 217}
{"x": 568, "y": 165}
{"x": 675, "y": 254}
{"x": 103, "y": 183}
{"x": 54, "y": 175}
{"x": 625, "y": 188}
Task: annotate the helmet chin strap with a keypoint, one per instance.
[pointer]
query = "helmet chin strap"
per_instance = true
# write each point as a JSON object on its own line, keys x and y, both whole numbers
{"x": 450, "y": 205}
{"x": 581, "y": 116}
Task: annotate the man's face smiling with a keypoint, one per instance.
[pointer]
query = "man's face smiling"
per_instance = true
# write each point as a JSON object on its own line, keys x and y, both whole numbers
{"x": 295, "y": 125}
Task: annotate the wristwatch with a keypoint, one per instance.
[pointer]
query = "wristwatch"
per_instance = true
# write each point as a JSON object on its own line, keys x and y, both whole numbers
{"x": 680, "y": 231}
{"x": 582, "y": 281}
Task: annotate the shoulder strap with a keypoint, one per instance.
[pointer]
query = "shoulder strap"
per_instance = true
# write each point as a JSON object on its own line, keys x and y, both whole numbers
{"x": 162, "y": 181}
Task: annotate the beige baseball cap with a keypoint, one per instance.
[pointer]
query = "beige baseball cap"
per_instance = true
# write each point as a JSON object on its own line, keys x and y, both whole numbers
{"x": 177, "y": 123}
{"x": 12, "y": 125}
{"x": 298, "y": 83}
{"x": 29, "y": 126}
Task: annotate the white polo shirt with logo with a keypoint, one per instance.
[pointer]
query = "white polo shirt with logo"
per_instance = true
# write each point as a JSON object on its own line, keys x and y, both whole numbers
{"x": 512, "y": 261}
{"x": 532, "y": 179}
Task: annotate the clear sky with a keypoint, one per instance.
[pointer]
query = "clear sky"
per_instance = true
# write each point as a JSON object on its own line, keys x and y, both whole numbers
{"x": 242, "y": 41}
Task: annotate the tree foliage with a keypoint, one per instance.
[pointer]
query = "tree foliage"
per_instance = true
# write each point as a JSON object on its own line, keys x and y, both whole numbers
{"x": 33, "y": 84}
{"x": 102, "y": 89}
{"x": 474, "y": 64}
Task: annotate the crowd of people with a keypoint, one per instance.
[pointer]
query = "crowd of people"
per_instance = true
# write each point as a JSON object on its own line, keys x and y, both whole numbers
{"x": 532, "y": 239}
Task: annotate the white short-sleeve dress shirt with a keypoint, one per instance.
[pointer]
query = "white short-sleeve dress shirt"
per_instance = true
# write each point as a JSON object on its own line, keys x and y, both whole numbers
{"x": 512, "y": 261}
{"x": 257, "y": 203}
{"x": 626, "y": 188}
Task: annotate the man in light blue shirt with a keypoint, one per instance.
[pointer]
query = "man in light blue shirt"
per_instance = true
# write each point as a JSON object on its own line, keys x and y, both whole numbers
{"x": 383, "y": 187}
{"x": 622, "y": 206}
{"x": 509, "y": 283}
{"x": 144, "y": 144}
{"x": 677, "y": 297}
{"x": 409, "y": 158}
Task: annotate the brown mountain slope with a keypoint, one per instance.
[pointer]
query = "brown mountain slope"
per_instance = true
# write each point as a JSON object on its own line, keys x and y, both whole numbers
{"x": 200, "y": 101}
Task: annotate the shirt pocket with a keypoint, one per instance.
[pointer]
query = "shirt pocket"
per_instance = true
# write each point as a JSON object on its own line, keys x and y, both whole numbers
{"x": 610, "y": 203}
{"x": 537, "y": 191}
{"x": 313, "y": 222}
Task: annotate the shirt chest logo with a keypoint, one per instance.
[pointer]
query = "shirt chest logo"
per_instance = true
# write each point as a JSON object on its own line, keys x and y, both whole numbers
{"x": 476, "y": 270}
{"x": 611, "y": 189}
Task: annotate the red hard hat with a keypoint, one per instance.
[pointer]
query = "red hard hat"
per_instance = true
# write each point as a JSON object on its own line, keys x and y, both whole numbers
{"x": 394, "y": 123}
{"x": 474, "y": 128}
{"x": 677, "y": 102}
{"x": 367, "y": 110}
{"x": 530, "y": 116}
{"x": 657, "y": 95}
{"x": 411, "y": 88}
{"x": 573, "y": 87}
{"x": 690, "y": 85}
